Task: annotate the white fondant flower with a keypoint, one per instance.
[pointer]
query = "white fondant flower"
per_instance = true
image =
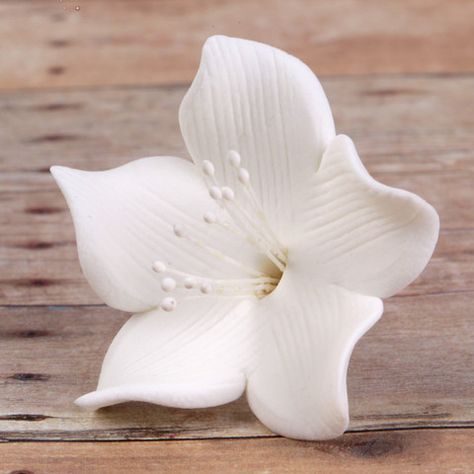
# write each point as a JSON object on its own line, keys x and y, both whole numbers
{"x": 271, "y": 252}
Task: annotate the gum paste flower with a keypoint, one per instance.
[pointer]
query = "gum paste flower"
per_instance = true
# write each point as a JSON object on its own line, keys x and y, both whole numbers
{"x": 257, "y": 266}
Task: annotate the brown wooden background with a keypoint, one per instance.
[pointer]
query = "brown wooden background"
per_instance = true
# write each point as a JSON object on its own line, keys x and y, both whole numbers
{"x": 98, "y": 86}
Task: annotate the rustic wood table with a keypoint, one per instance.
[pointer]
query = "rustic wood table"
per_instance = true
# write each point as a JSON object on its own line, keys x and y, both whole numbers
{"x": 95, "y": 83}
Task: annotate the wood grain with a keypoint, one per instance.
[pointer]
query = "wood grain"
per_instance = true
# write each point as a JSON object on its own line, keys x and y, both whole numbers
{"x": 62, "y": 102}
{"x": 414, "y": 133}
{"x": 409, "y": 124}
{"x": 410, "y": 370}
{"x": 47, "y": 43}
{"x": 408, "y": 452}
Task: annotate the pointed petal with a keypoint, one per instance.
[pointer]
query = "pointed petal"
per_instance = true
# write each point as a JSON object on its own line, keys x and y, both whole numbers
{"x": 298, "y": 389}
{"x": 358, "y": 233}
{"x": 194, "y": 357}
{"x": 124, "y": 222}
{"x": 268, "y": 106}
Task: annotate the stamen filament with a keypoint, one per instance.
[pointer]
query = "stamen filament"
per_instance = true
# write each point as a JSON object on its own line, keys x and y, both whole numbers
{"x": 222, "y": 281}
{"x": 250, "y": 281}
{"x": 222, "y": 256}
{"x": 270, "y": 239}
{"x": 226, "y": 258}
{"x": 244, "y": 178}
{"x": 261, "y": 214}
{"x": 257, "y": 239}
{"x": 279, "y": 254}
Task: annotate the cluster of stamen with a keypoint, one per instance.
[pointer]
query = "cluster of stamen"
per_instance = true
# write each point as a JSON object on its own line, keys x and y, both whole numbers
{"x": 249, "y": 223}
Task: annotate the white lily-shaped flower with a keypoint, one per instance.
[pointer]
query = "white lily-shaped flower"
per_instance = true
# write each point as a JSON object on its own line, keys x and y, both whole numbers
{"x": 258, "y": 266}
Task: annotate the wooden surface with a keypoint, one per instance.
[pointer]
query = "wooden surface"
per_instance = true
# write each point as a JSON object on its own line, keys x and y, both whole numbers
{"x": 101, "y": 86}
{"x": 409, "y": 371}
{"x": 49, "y": 44}
{"x": 407, "y": 452}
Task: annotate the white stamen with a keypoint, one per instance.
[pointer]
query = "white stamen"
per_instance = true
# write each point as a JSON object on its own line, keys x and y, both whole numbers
{"x": 264, "y": 243}
{"x": 173, "y": 271}
{"x": 223, "y": 256}
{"x": 234, "y": 158}
{"x": 190, "y": 282}
{"x": 215, "y": 193}
{"x": 168, "y": 304}
{"x": 209, "y": 217}
{"x": 245, "y": 219}
{"x": 168, "y": 284}
{"x": 244, "y": 176}
{"x": 206, "y": 288}
{"x": 259, "y": 286}
{"x": 228, "y": 193}
{"x": 159, "y": 267}
{"x": 246, "y": 281}
{"x": 208, "y": 168}
{"x": 179, "y": 230}
{"x": 264, "y": 229}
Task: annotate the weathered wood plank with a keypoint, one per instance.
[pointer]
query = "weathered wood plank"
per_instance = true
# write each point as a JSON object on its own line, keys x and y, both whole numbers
{"x": 401, "y": 124}
{"x": 159, "y": 41}
{"x": 415, "y": 133}
{"x": 410, "y": 370}
{"x": 410, "y": 452}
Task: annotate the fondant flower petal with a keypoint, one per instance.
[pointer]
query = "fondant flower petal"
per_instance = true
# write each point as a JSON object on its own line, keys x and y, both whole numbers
{"x": 266, "y": 105}
{"x": 194, "y": 357}
{"x": 358, "y": 233}
{"x": 298, "y": 388}
{"x": 124, "y": 222}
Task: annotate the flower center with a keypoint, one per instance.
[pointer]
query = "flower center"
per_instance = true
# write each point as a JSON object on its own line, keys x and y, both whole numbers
{"x": 244, "y": 219}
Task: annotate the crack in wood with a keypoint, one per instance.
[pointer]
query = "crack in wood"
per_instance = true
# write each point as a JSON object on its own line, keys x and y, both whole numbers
{"x": 29, "y": 377}
{"x": 26, "y": 333}
{"x": 402, "y": 416}
{"x": 44, "y": 210}
{"x": 376, "y": 447}
{"x": 54, "y": 137}
{"x": 57, "y": 106}
{"x": 24, "y": 417}
{"x": 392, "y": 92}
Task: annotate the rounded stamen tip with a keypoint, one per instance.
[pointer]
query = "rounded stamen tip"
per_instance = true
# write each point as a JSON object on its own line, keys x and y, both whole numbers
{"x": 228, "y": 193}
{"x": 244, "y": 176}
{"x": 159, "y": 267}
{"x": 208, "y": 168}
{"x": 179, "y": 230}
{"x": 168, "y": 284}
{"x": 209, "y": 217}
{"x": 190, "y": 283}
{"x": 206, "y": 288}
{"x": 215, "y": 193}
{"x": 234, "y": 158}
{"x": 168, "y": 304}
